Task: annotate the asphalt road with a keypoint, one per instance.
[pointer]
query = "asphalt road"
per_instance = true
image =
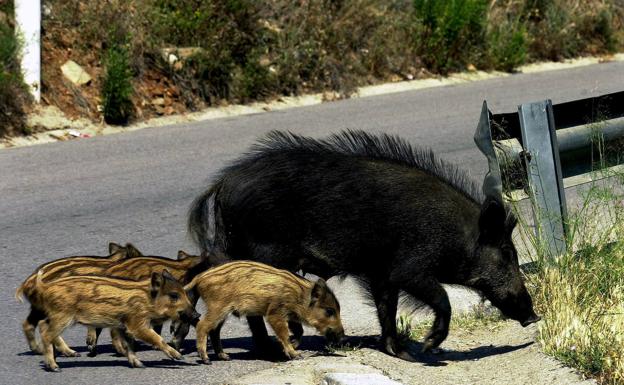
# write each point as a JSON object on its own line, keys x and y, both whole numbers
{"x": 72, "y": 198}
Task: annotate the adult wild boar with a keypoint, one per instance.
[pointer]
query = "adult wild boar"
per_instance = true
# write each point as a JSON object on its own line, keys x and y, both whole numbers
{"x": 371, "y": 206}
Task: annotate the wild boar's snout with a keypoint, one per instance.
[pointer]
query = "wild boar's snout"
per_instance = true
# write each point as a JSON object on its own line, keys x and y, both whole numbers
{"x": 532, "y": 319}
{"x": 335, "y": 336}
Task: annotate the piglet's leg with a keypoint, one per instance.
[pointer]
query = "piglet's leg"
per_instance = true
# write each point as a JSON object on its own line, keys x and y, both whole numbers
{"x": 92, "y": 336}
{"x": 62, "y": 348}
{"x": 279, "y": 322}
{"x": 129, "y": 351}
{"x": 50, "y": 331}
{"x": 120, "y": 342}
{"x": 215, "y": 338}
{"x": 147, "y": 335}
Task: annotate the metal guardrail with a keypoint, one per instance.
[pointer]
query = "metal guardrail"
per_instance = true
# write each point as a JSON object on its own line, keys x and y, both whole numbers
{"x": 534, "y": 149}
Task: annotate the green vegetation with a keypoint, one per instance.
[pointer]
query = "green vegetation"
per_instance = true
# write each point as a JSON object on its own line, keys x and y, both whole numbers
{"x": 117, "y": 87}
{"x": 245, "y": 50}
{"x": 14, "y": 95}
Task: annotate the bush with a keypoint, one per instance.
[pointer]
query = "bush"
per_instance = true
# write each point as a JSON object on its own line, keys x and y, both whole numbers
{"x": 117, "y": 87}
{"x": 507, "y": 45}
{"x": 14, "y": 95}
{"x": 451, "y": 32}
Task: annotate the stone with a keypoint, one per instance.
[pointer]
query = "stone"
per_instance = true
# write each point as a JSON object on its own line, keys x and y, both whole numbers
{"x": 75, "y": 73}
{"x": 357, "y": 379}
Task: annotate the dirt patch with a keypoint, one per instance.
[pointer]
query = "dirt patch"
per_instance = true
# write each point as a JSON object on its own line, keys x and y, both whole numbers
{"x": 504, "y": 353}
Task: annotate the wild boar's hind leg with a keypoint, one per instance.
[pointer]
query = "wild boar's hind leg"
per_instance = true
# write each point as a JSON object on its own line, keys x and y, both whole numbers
{"x": 433, "y": 295}
{"x": 215, "y": 338}
{"x": 209, "y": 323}
{"x": 51, "y": 329}
{"x": 30, "y": 325}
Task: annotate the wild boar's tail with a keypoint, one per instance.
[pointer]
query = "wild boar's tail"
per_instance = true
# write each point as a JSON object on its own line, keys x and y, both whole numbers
{"x": 19, "y": 293}
{"x": 200, "y": 218}
{"x": 26, "y": 289}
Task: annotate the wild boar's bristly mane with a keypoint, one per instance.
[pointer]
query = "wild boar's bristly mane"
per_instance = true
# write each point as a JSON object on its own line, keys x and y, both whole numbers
{"x": 382, "y": 147}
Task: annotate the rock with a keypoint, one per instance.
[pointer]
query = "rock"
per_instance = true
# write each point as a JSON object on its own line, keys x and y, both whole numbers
{"x": 74, "y": 73}
{"x": 175, "y": 55}
{"x": 158, "y": 102}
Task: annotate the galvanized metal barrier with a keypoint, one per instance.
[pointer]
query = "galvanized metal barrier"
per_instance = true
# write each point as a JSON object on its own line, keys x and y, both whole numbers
{"x": 534, "y": 150}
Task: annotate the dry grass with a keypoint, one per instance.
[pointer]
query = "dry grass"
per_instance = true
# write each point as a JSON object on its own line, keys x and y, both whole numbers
{"x": 580, "y": 295}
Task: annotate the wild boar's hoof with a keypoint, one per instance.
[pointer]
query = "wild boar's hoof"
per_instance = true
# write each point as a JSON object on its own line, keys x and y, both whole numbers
{"x": 54, "y": 369}
{"x": 207, "y": 361}
{"x": 223, "y": 356}
{"x": 294, "y": 355}
{"x": 136, "y": 363}
{"x": 92, "y": 353}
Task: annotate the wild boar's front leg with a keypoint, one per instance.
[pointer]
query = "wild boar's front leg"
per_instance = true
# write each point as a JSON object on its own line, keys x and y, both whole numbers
{"x": 433, "y": 295}
{"x": 386, "y": 299}
{"x": 279, "y": 322}
{"x": 148, "y": 335}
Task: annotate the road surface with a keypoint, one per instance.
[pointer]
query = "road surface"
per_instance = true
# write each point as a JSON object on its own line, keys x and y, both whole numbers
{"x": 72, "y": 198}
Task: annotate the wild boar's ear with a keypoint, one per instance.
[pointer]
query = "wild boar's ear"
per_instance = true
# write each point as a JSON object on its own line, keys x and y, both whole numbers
{"x": 318, "y": 291}
{"x": 182, "y": 255}
{"x": 492, "y": 221}
{"x": 167, "y": 276}
{"x": 157, "y": 283}
{"x": 133, "y": 252}
{"x": 113, "y": 248}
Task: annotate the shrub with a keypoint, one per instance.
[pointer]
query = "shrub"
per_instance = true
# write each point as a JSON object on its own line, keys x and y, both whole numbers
{"x": 507, "y": 45}
{"x": 451, "y": 32}
{"x": 117, "y": 87}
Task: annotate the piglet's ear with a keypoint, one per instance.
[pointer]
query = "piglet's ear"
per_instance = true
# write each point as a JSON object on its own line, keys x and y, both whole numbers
{"x": 492, "y": 221}
{"x": 318, "y": 290}
{"x": 182, "y": 255}
{"x": 133, "y": 252}
{"x": 157, "y": 282}
{"x": 167, "y": 276}
{"x": 114, "y": 247}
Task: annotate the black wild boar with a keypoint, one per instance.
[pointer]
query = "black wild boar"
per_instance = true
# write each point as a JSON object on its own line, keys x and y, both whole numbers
{"x": 372, "y": 206}
{"x": 115, "y": 303}
{"x": 255, "y": 289}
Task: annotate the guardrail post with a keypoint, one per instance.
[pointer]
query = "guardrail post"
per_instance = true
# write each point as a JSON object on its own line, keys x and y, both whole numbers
{"x": 541, "y": 156}
{"x": 28, "y": 29}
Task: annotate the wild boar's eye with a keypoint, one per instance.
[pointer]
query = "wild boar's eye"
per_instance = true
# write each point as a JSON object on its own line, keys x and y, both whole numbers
{"x": 174, "y": 296}
{"x": 329, "y": 312}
